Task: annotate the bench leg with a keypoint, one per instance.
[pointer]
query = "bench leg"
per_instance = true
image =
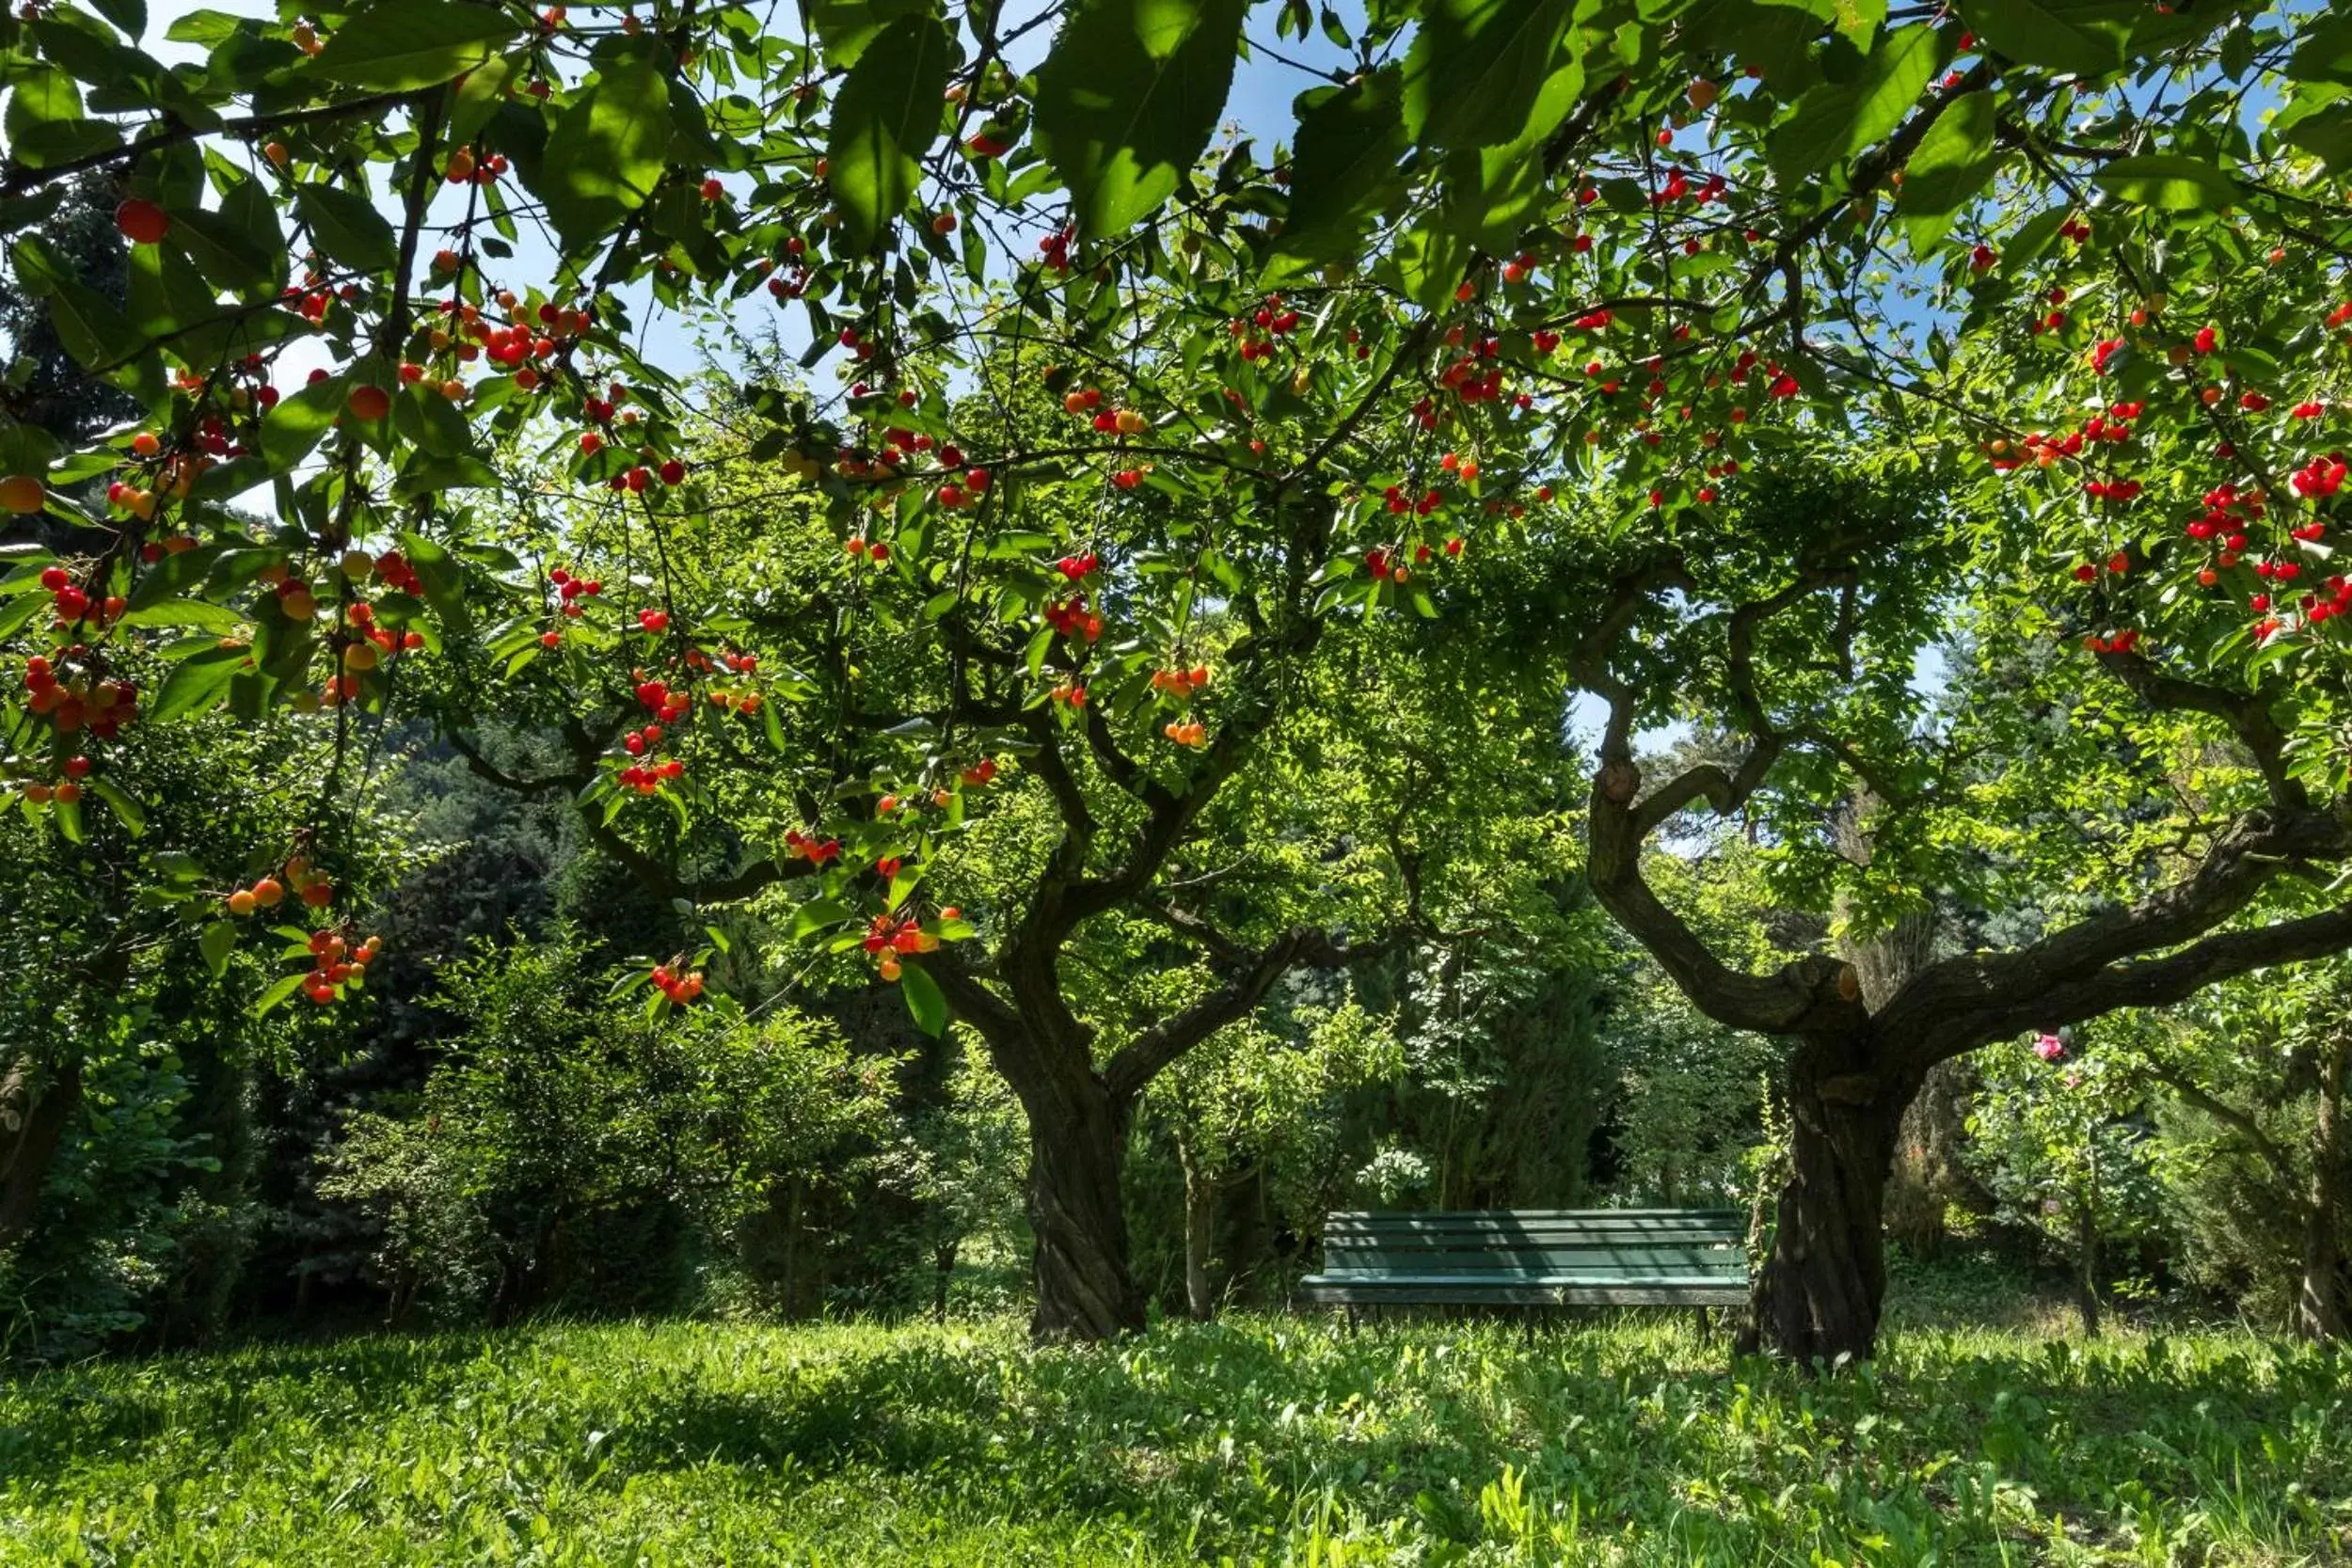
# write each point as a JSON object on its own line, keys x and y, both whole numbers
{"x": 1350, "y": 1310}
{"x": 1699, "y": 1317}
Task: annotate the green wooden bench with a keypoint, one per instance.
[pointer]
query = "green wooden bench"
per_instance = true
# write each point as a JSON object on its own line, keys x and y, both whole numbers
{"x": 1533, "y": 1257}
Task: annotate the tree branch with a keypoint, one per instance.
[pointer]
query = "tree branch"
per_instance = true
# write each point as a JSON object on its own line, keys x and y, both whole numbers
{"x": 1138, "y": 1061}
{"x": 2248, "y": 716}
{"x": 2245, "y": 1127}
{"x": 2095, "y": 965}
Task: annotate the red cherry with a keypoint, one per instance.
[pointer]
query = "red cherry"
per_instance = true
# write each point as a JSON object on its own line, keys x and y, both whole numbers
{"x": 142, "y": 222}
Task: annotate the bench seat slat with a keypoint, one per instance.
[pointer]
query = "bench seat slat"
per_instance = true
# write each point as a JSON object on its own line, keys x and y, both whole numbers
{"x": 1488, "y": 1225}
{"x": 1413, "y": 1215}
{"x": 1720, "y": 1293}
{"x": 1631, "y": 1268}
{"x": 1550, "y": 1257}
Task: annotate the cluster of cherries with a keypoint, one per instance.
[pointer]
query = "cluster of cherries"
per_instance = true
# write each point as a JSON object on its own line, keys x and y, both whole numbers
{"x": 816, "y": 852}
{"x": 72, "y": 605}
{"x": 2319, "y": 478}
{"x": 893, "y": 937}
{"x": 335, "y": 963}
{"x": 1071, "y": 617}
{"x": 667, "y": 708}
{"x": 303, "y": 879}
{"x": 65, "y": 791}
{"x": 679, "y": 985}
{"x": 1181, "y": 684}
{"x": 80, "y": 701}
{"x": 1386, "y": 566}
{"x": 571, "y": 590}
{"x": 366, "y": 643}
{"x": 1474, "y": 377}
{"x": 1254, "y": 335}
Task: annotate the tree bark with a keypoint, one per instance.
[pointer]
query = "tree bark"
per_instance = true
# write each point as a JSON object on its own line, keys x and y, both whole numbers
{"x": 1820, "y": 1291}
{"x": 1200, "y": 1234}
{"x": 2087, "y": 1268}
{"x": 1078, "y": 1154}
{"x": 942, "y": 1274}
{"x": 32, "y": 1124}
{"x": 2321, "y": 1310}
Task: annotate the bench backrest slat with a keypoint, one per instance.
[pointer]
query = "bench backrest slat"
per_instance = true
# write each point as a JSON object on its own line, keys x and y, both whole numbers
{"x": 1603, "y": 1243}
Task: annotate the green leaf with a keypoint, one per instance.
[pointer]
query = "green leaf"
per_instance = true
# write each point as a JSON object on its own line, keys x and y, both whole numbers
{"x": 818, "y": 914}
{"x": 1128, "y": 99}
{"x": 301, "y": 417}
{"x": 347, "y": 226}
{"x": 1343, "y": 168}
{"x": 1954, "y": 164}
{"x": 127, "y": 811}
{"x": 395, "y": 45}
{"x": 1477, "y": 69}
{"x": 924, "y": 998}
{"x": 18, "y": 611}
{"x": 609, "y": 151}
{"x": 1833, "y": 122}
{"x": 129, "y": 15}
{"x": 2085, "y": 37}
{"x": 885, "y": 116}
{"x": 90, "y": 326}
{"x": 480, "y": 96}
{"x": 2169, "y": 180}
{"x": 44, "y": 123}
{"x": 218, "y": 940}
{"x": 279, "y": 990}
{"x": 230, "y": 255}
{"x": 197, "y": 684}
{"x": 844, "y": 27}
{"x": 208, "y": 29}
{"x": 203, "y": 614}
{"x": 2324, "y": 53}
{"x": 2325, "y": 136}
{"x": 1893, "y": 81}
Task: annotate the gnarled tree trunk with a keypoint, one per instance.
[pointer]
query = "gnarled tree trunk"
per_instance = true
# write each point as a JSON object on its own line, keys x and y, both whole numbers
{"x": 1820, "y": 1288}
{"x": 32, "y": 1120}
{"x": 2321, "y": 1307}
{"x": 1927, "y": 1175}
{"x": 1078, "y": 1154}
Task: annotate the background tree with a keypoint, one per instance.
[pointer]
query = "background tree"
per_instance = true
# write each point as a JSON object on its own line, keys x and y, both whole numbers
{"x": 2256, "y": 1156}
{"x": 1814, "y": 660}
{"x": 2064, "y": 1144}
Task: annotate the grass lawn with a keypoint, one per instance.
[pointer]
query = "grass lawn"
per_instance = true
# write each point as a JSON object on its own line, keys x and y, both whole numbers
{"x": 1263, "y": 1439}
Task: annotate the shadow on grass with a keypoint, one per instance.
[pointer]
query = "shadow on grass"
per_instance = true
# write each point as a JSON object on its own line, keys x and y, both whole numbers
{"x": 49, "y": 1417}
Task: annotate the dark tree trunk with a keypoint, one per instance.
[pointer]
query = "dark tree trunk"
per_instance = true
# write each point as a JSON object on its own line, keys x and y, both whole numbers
{"x": 2321, "y": 1310}
{"x": 32, "y": 1123}
{"x": 1200, "y": 1234}
{"x": 1077, "y": 1153}
{"x": 2086, "y": 1270}
{"x": 943, "y": 1272}
{"x": 1821, "y": 1285}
